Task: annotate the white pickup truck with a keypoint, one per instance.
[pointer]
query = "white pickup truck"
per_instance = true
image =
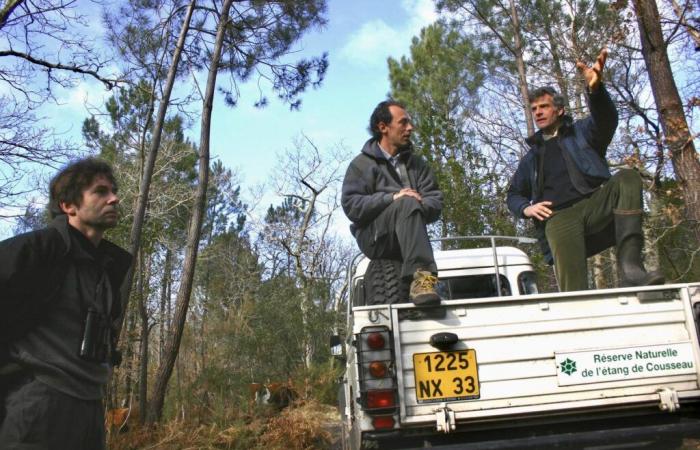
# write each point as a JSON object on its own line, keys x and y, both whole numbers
{"x": 589, "y": 369}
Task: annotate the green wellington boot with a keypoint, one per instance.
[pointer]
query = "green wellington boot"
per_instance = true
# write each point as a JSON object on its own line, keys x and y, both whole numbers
{"x": 629, "y": 242}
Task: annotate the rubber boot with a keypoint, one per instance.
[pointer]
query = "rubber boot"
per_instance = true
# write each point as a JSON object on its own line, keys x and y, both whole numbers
{"x": 629, "y": 242}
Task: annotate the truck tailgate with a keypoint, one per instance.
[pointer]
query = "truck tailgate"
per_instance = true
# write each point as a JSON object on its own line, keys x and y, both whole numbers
{"x": 558, "y": 353}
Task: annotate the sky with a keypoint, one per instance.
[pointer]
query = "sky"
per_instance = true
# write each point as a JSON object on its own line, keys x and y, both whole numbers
{"x": 359, "y": 37}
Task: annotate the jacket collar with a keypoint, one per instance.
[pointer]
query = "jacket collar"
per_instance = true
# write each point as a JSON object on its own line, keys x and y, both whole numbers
{"x": 372, "y": 149}
{"x": 119, "y": 259}
{"x": 564, "y": 129}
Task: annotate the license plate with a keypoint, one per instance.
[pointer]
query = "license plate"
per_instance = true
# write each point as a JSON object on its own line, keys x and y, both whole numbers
{"x": 442, "y": 376}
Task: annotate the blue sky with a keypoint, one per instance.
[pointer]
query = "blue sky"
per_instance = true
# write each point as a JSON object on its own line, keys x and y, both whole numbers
{"x": 359, "y": 37}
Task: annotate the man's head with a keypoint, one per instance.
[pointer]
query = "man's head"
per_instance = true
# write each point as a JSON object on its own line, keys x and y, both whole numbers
{"x": 87, "y": 193}
{"x": 547, "y": 108}
{"x": 391, "y": 126}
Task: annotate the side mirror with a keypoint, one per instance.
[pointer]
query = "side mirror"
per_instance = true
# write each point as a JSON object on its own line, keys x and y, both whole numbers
{"x": 336, "y": 346}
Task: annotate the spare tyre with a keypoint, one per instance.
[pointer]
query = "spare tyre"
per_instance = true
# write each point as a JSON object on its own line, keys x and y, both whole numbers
{"x": 383, "y": 283}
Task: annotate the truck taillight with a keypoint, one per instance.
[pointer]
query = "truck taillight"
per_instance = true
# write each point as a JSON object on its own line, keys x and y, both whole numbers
{"x": 376, "y": 364}
{"x": 381, "y": 399}
{"x": 383, "y": 422}
{"x": 376, "y": 341}
{"x": 378, "y": 369}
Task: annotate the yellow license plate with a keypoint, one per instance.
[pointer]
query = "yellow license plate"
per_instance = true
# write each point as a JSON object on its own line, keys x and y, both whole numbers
{"x": 442, "y": 376}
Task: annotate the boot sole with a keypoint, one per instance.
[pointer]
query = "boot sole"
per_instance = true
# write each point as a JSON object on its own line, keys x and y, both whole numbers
{"x": 426, "y": 300}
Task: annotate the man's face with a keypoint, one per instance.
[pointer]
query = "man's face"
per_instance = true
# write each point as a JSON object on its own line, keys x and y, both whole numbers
{"x": 544, "y": 112}
{"x": 396, "y": 134}
{"x": 98, "y": 206}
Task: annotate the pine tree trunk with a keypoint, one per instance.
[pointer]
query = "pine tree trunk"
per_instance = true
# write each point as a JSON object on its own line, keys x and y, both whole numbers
{"x": 142, "y": 293}
{"x": 194, "y": 232}
{"x": 147, "y": 175}
{"x": 670, "y": 108}
{"x": 164, "y": 304}
{"x": 520, "y": 63}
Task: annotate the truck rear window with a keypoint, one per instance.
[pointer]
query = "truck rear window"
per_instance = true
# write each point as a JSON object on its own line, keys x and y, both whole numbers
{"x": 472, "y": 286}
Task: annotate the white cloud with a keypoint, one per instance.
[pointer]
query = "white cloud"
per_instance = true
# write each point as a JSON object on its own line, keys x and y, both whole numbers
{"x": 372, "y": 44}
{"x": 423, "y": 14}
{"x": 375, "y": 41}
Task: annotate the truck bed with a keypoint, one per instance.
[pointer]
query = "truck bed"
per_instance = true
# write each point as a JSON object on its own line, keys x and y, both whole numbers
{"x": 553, "y": 355}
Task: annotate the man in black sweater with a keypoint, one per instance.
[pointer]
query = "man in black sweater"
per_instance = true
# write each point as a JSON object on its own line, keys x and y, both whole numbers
{"x": 60, "y": 304}
{"x": 564, "y": 185}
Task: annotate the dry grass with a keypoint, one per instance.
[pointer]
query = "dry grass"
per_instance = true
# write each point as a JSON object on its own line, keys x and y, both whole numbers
{"x": 306, "y": 425}
{"x": 301, "y": 428}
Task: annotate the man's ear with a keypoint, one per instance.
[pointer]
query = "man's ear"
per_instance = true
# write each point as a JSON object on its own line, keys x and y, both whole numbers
{"x": 561, "y": 112}
{"x": 382, "y": 127}
{"x": 69, "y": 208}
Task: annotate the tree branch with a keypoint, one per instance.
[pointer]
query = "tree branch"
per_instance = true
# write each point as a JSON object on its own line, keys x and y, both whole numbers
{"x": 109, "y": 83}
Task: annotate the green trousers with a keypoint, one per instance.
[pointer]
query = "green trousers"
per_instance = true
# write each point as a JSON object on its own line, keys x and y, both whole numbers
{"x": 566, "y": 230}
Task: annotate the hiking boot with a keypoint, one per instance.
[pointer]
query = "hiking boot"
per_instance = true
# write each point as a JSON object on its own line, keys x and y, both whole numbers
{"x": 422, "y": 292}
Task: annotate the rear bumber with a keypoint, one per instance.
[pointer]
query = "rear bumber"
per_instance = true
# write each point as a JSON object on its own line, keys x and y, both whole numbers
{"x": 555, "y": 358}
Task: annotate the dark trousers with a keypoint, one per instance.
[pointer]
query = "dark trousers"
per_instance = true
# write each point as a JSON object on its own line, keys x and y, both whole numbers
{"x": 399, "y": 232}
{"x": 567, "y": 229}
{"x": 37, "y": 417}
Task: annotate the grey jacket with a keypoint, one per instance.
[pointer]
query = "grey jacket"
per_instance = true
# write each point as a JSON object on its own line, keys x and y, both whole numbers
{"x": 371, "y": 181}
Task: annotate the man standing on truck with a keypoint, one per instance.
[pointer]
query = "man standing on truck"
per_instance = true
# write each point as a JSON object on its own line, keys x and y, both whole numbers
{"x": 59, "y": 296}
{"x": 389, "y": 195}
{"x": 563, "y": 183}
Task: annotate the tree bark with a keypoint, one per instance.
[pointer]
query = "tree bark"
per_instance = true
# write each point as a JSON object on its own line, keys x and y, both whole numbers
{"x": 143, "y": 348}
{"x": 670, "y": 109}
{"x": 145, "y": 184}
{"x": 164, "y": 311}
{"x": 195, "y": 228}
{"x": 520, "y": 63}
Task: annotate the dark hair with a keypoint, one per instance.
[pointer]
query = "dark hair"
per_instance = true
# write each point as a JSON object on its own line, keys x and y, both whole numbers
{"x": 557, "y": 99}
{"x": 381, "y": 114}
{"x": 68, "y": 185}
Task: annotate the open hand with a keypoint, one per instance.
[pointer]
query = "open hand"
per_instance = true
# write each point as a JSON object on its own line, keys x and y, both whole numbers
{"x": 593, "y": 74}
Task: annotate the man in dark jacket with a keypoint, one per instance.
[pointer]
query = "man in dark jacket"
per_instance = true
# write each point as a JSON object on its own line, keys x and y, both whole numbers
{"x": 389, "y": 195}
{"x": 564, "y": 184}
{"x": 60, "y": 304}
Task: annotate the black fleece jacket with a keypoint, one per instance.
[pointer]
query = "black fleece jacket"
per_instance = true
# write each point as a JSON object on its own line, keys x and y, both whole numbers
{"x": 48, "y": 280}
{"x": 371, "y": 181}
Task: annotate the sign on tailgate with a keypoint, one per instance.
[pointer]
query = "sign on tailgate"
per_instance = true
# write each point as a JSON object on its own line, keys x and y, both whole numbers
{"x": 613, "y": 364}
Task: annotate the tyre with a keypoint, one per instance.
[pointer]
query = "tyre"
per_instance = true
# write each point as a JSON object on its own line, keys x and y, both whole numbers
{"x": 383, "y": 283}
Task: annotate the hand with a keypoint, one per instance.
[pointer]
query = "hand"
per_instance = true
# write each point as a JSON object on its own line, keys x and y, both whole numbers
{"x": 408, "y": 192}
{"x": 593, "y": 75}
{"x": 539, "y": 211}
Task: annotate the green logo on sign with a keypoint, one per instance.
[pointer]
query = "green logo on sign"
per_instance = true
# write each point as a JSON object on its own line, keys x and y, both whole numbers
{"x": 568, "y": 366}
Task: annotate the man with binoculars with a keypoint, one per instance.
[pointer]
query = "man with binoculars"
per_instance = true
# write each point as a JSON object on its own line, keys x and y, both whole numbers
{"x": 59, "y": 306}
